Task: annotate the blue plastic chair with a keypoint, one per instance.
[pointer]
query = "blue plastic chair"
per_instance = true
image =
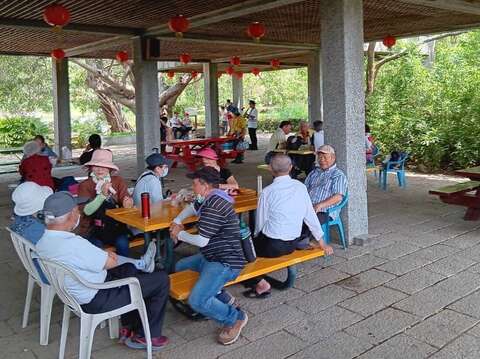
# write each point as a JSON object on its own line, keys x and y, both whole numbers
{"x": 335, "y": 222}
{"x": 397, "y": 167}
{"x": 373, "y": 164}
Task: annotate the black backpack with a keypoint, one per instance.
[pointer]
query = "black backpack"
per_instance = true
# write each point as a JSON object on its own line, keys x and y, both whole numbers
{"x": 105, "y": 228}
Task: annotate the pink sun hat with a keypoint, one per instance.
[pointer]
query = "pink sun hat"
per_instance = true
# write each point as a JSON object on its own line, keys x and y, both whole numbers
{"x": 102, "y": 158}
{"x": 208, "y": 153}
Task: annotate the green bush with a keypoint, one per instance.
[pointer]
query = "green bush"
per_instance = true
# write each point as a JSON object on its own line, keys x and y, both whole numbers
{"x": 83, "y": 129}
{"x": 15, "y": 131}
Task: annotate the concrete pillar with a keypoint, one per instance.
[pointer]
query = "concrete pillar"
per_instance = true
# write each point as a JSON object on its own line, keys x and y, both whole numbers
{"x": 147, "y": 112}
{"x": 237, "y": 90}
{"x": 61, "y": 106}
{"x": 315, "y": 110}
{"x": 344, "y": 102}
{"x": 211, "y": 100}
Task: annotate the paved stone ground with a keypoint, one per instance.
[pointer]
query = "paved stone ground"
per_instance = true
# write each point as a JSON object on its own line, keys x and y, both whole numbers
{"x": 413, "y": 294}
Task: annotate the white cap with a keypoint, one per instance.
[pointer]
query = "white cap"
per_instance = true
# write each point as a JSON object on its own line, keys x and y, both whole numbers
{"x": 29, "y": 198}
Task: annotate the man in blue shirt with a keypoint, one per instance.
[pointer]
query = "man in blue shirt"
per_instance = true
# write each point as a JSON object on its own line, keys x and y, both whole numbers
{"x": 326, "y": 184}
{"x": 95, "y": 265}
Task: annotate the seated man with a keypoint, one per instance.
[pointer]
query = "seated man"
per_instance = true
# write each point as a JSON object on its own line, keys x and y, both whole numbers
{"x": 326, "y": 184}
{"x": 176, "y": 125}
{"x": 95, "y": 265}
{"x": 278, "y": 140}
{"x": 282, "y": 209}
{"x": 221, "y": 257}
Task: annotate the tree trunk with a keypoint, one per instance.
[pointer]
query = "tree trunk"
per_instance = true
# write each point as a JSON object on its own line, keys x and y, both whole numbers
{"x": 113, "y": 114}
{"x": 371, "y": 70}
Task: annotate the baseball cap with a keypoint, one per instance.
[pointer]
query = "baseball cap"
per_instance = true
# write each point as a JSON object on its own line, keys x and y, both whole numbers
{"x": 207, "y": 174}
{"x": 326, "y": 149}
{"x": 29, "y": 198}
{"x": 156, "y": 159}
{"x": 61, "y": 203}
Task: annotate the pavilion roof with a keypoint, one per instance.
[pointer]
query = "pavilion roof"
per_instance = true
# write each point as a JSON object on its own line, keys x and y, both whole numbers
{"x": 101, "y": 28}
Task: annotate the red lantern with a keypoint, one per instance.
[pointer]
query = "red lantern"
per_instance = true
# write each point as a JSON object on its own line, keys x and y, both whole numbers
{"x": 275, "y": 63}
{"x": 194, "y": 74}
{"x": 256, "y": 30}
{"x": 389, "y": 41}
{"x": 171, "y": 74}
{"x": 255, "y": 71}
{"x": 121, "y": 56}
{"x": 239, "y": 74}
{"x": 230, "y": 70}
{"x": 58, "y": 54}
{"x": 235, "y": 61}
{"x": 56, "y": 15}
{"x": 219, "y": 74}
{"x": 185, "y": 58}
{"x": 179, "y": 24}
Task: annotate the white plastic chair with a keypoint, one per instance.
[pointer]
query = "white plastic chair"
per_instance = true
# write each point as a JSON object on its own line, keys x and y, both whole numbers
{"x": 57, "y": 273}
{"x": 24, "y": 249}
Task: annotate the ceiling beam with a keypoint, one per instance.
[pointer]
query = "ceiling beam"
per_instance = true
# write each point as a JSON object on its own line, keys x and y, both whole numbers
{"x": 464, "y": 6}
{"x": 241, "y": 41}
{"x": 268, "y": 56}
{"x": 71, "y": 27}
{"x": 242, "y": 8}
{"x": 98, "y": 45}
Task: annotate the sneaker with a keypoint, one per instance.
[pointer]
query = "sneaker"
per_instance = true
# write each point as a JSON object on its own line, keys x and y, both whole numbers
{"x": 138, "y": 342}
{"x": 229, "y": 335}
{"x": 149, "y": 258}
{"x": 124, "y": 334}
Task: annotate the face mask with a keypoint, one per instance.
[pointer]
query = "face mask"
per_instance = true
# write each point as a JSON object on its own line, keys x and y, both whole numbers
{"x": 199, "y": 198}
{"x": 96, "y": 179}
{"x": 76, "y": 224}
{"x": 165, "y": 172}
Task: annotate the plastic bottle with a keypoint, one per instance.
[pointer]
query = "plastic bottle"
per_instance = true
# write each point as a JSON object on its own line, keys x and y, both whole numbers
{"x": 66, "y": 153}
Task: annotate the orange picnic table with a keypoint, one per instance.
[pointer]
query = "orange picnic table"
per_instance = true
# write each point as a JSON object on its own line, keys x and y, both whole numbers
{"x": 162, "y": 215}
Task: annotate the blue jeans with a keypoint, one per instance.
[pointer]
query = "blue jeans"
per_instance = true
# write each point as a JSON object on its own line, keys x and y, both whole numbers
{"x": 121, "y": 244}
{"x": 203, "y": 298}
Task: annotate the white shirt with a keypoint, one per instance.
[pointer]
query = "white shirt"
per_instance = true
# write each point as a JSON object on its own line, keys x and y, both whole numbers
{"x": 283, "y": 207}
{"x": 276, "y": 139}
{"x": 147, "y": 182}
{"x": 318, "y": 139}
{"x": 85, "y": 259}
{"x": 252, "y": 118}
{"x": 174, "y": 122}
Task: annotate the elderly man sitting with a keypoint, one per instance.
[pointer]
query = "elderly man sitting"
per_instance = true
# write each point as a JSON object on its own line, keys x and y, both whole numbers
{"x": 95, "y": 265}
{"x": 326, "y": 184}
{"x": 282, "y": 209}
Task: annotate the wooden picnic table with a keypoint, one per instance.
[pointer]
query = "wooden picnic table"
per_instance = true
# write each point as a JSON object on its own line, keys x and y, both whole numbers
{"x": 471, "y": 201}
{"x": 163, "y": 213}
{"x": 185, "y": 150}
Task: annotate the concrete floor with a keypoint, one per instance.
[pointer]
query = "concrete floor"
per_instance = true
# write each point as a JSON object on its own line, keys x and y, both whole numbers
{"x": 414, "y": 293}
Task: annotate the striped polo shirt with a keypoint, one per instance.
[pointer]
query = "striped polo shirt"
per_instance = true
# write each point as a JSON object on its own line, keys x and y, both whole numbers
{"x": 219, "y": 223}
{"x": 323, "y": 184}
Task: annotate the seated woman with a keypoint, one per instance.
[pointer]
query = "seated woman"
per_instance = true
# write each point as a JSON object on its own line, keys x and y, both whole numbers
{"x": 370, "y": 147}
{"x": 94, "y": 143}
{"x": 238, "y": 130}
{"x": 209, "y": 158}
{"x": 105, "y": 191}
{"x": 186, "y": 125}
{"x": 150, "y": 180}
{"x": 35, "y": 167}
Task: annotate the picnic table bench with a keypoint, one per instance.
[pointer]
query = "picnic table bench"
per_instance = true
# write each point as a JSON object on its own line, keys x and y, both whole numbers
{"x": 182, "y": 283}
{"x": 458, "y": 194}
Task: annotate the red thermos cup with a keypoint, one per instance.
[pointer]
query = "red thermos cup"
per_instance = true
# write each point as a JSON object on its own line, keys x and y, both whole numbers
{"x": 145, "y": 196}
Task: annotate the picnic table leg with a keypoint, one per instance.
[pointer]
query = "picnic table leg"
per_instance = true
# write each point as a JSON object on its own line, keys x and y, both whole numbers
{"x": 251, "y": 220}
{"x": 288, "y": 283}
{"x": 473, "y": 214}
{"x": 164, "y": 257}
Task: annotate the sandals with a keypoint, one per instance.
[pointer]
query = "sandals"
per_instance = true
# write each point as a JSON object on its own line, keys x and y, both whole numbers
{"x": 252, "y": 293}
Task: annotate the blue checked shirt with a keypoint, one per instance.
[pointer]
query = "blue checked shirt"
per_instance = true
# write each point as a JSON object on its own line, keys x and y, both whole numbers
{"x": 323, "y": 184}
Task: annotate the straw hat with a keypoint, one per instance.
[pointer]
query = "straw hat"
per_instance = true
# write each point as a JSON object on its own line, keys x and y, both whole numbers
{"x": 102, "y": 158}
